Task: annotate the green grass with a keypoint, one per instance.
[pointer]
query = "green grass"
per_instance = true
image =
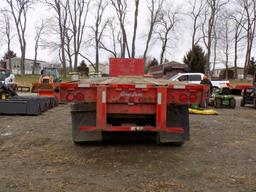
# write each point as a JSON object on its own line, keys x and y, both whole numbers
{"x": 235, "y": 82}
{"x": 27, "y": 80}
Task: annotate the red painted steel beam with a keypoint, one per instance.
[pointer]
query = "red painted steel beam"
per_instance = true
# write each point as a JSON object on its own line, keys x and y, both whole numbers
{"x": 161, "y": 107}
{"x": 123, "y": 95}
{"x": 176, "y": 130}
{"x": 131, "y": 109}
{"x": 101, "y": 107}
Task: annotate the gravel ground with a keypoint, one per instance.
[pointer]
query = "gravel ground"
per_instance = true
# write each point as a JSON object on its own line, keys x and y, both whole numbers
{"x": 37, "y": 154}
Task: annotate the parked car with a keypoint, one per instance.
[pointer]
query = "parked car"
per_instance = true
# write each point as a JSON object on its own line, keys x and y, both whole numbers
{"x": 196, "y": 78}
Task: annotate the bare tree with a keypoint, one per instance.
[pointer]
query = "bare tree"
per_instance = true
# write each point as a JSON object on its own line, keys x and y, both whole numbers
{"x": 197, "y": 7}
{"x": 112, "y": 36}
{"x": 19, "y": 10}
{"x": 40, "y": 32}
{"x": 60, "y": 8}
{"x": 7, "y": 32}
{"x": 154, "y": 7}
{"x": 225, "y": 31}
{"x": 168, "y": 19}
{"x": 136, "y": 12}
{"x": 227, "y": 45}
{"x": 212, "y": 8}
{"x": 68, "y": 47}
{"x": 237, "y": 17}
{"x": 215, "y": 46}
{"x": 98, "y": 29}
{"x": 96, "y": 37}
{"x": 249, "y": 26}
{"x": 120, "y": 7}
{"x": 77, "y": 13}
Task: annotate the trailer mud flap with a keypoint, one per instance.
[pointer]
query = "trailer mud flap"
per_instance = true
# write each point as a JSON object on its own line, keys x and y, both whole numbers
{"x": 84, "y": 115}
{"x": 85, "y": 136}
{"x": 177, "y": 118}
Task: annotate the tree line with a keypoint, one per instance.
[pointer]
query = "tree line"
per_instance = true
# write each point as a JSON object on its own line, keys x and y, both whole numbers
{"x": 226, "y": 30}
{"x": 82, "y": 29}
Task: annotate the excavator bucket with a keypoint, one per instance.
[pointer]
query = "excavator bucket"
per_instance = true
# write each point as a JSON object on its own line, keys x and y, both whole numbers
{"x": 36, "y": 87}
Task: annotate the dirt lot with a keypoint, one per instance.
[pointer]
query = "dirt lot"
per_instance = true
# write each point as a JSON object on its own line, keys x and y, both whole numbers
{"x": 37, "y": 154}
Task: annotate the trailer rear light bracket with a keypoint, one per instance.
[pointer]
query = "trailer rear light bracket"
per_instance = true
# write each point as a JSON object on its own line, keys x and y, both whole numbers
{"x": 84, "y": 85}
{"x": 141, "y": 86}
{"x": 159, "y": 98}
{"x": 104, "y": 97}
{"x": 179, "y": 86}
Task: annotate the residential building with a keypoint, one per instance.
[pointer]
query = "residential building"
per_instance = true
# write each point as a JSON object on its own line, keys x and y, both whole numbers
{"x": 103, "y": 69}
{"x": 15, "y": 62}
{"x": 221, "y": 73}
{"x": 168, "y": 70}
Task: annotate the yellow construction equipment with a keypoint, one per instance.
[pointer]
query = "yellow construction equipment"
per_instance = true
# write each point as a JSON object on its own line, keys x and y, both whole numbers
{"x": 203, "y": 111}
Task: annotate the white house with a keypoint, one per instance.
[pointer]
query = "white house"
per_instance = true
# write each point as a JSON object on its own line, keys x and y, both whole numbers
{"x": 103, "y": 69}
{"x": 15, "y": 62}
{"x": 220, "y": 73}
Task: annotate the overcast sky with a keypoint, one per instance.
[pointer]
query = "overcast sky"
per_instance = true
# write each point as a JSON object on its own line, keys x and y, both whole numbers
{"x": 180, "y": 46}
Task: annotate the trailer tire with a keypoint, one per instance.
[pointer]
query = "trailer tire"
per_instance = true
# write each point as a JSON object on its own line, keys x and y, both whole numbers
{"x": 78, "y": 142}
{"x": 177, "y": 144}
{"x": 242, "y": 103}
{"x": 217, "y": 103}
{"x": 167, "y": 142}
{"x": 254, "y": 102}
{"x": 233, "y": 103}
{"x": 173, "y": 144}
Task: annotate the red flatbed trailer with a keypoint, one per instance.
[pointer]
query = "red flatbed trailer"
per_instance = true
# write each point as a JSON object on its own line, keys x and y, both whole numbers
{"x": 130, "y": 104}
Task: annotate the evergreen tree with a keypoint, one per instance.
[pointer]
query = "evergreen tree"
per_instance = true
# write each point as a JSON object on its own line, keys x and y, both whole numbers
{"x": 152, "y": 63}
{"x": 195, "y": 59}
{"x": 251, "y": 67}
{"x": 9, "y": 54}
{"x": 83, "y": 69}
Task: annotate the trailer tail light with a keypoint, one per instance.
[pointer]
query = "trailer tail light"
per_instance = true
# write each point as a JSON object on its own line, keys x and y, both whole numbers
{"x": 79, "y": 97}
{"x": 192, "y": 98}
{"x": 183, "y": 98}
{"x": 131, "y": 100}
{"x": 70, "y": 97}
{"x": 122, "y": 99}
{"x": 141, "y": 100}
